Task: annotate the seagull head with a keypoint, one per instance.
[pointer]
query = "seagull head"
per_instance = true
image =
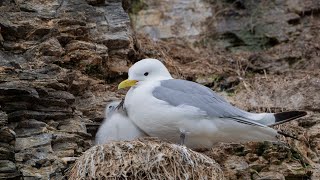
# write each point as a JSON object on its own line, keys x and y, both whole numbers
{"x": 145, "y": 70}
{"x": 111, "y": 107}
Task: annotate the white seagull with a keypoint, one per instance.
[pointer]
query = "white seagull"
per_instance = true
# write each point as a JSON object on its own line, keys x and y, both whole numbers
{"x": 175, "y": 109}
{"x": 117, "y": 126}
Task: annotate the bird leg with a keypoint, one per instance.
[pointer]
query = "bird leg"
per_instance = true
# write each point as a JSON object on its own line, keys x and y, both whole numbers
{"x": 182, "y": 137}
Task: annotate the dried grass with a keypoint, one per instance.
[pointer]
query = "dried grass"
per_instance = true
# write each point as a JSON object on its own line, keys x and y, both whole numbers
{"x": 144, "y": 159}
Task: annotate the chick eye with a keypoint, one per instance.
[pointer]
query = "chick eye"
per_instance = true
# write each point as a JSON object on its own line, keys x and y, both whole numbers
{"x": 110, "y": 107}
{"x": 146, "y": 74}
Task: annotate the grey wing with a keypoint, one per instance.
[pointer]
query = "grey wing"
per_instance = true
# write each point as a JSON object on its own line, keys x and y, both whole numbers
{"x": 181, "y": 92}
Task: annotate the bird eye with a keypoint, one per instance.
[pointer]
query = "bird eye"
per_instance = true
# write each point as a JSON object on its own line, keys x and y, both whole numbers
{"x": 110, "y": 107}
{"x": 146, "y": 74}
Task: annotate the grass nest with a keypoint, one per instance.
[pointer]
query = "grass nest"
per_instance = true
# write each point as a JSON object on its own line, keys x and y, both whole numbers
{"x": 144, "y": 159}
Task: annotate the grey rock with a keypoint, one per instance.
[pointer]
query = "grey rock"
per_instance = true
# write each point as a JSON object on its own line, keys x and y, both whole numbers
{"x": 51, "y": 47}
{"x": 72, "y": 125}
{"x": 46, "y": 50}
{"x": 95, "y": 2}
{"x": 42, "y": 116}
{"x": 7, "y": 166}
{"x": 8, "y": 170}
{"x": 175, "y": 19}
{"x": 12, "y": 89}
{"x": 33, "y": 141}
{"x": 31, "y": 123}
{"x": 27, "y": 128}
{"x": 116, "y": 41}
{"x": 33, "y": 155}
{"x": 7, "y": 135}
{"x": 3, "y": 118}
{"x": 270, "y": 176}
{"x": 6, "y": 151}
{"x": 57, "y": 86}
{"x": 43, "y": 9}
{"x": 68, "y": 97}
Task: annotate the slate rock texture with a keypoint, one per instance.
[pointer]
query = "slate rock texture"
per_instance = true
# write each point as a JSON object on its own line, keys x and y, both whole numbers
{"x": 60, "y": 62}
{"x": 48, "y": 50}
{"x": 263, "y": 56}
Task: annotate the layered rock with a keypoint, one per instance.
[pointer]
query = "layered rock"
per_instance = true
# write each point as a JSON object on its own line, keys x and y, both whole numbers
{"x": 8, "y": 168}
{"x": 55, "y": 57}
{"x": 171, "y": 19}
{"x": 263, "y": 57}
{"x": 231, "y": 24}
{"x": 47, "y": 51}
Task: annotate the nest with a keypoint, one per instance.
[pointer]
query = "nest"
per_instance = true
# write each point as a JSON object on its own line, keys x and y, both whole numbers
{"x": 144, "y": 159}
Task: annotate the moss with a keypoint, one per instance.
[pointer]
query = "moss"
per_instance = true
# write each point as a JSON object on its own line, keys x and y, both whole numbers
{"x": 240, "y": 151}
{"x": 246, "y": 39}
{"x": 210, "y": 81}
{"x": 216, "y": 78}
{"x": 231, "y": 93}
{"x": 297, "y": 156}
{"x": 262, "y": 148}
{"x": 136, "y": 6}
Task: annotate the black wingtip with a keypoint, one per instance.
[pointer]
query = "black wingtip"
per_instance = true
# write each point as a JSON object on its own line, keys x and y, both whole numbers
{"x": 287, "y": 116}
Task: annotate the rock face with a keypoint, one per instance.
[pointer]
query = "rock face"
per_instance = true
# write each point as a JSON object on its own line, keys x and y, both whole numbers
{"x": 68, "y": 33}
{"x": 60, "y": 61}
{"x": 47, "y": 51}
{"x": 231, "y": 24}
{"x": 8, "y": 168}
{"x": 171, "y": 19}
{"x": 263, "y": 57}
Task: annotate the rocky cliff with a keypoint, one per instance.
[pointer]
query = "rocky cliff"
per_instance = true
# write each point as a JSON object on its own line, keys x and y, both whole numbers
{"x": 50, "y": 54}
{"x": 60, "y": 61}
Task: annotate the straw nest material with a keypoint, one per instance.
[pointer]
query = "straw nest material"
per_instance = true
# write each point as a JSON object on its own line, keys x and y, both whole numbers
{"x": 144, "y": 159}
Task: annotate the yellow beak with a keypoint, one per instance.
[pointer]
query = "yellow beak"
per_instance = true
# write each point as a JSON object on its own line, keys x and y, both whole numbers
{"x": 127, "y": 83}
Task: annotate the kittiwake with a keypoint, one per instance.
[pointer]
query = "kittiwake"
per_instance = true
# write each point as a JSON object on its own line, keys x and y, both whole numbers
{"x": 116, "y": 126}
{"x": 172, "y": 109}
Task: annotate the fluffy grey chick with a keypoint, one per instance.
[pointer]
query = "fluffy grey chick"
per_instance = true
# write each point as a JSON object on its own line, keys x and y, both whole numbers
{"x": 117, "y": 126}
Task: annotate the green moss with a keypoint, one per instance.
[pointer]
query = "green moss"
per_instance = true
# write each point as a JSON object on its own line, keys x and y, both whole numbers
{"x": 136, "y": 6}
{"x": 209, "y": 80}
{"x": 240, "y": 151}
{"x": 297, "y": 156}
{"x": 246, "y": 39}
{"x": 231, "y": 94}
{"x": 262, "y": 148}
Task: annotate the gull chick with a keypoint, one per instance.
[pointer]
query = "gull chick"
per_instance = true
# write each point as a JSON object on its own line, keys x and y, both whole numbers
{"x": 178, "y": 110}
{"x": 116, "y": 126}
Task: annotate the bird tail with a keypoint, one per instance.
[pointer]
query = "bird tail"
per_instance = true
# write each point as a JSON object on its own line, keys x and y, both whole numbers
{"x": 287, "y": 116}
